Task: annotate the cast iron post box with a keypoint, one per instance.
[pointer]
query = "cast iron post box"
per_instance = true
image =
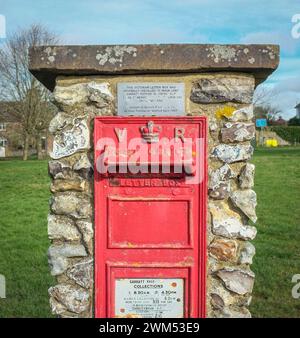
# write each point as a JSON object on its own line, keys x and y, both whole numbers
{"x": 150, "y": 216}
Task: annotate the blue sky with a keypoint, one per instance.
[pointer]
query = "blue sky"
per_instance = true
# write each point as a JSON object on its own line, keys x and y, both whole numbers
{"x": 173, "y": 21}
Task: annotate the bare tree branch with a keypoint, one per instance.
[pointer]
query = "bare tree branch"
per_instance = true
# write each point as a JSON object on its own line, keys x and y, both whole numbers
{"x": 263, "y": 102}
{"x": 264, "y": 96}
{"x": 31, "y": 100}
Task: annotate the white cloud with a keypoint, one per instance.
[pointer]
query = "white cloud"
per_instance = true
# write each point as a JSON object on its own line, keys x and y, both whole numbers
{"x": 286, "y": 101}
{"x": 284, "y": 39}
{"x": 284, "y": 84}
{"x": 290, "y": 84}
{"x": 284, "y": 95}
{"x": 288, "y": 95}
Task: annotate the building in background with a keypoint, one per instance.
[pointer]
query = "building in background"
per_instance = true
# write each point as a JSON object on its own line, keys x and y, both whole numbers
{"x": 11, "y": 136}
{"x": 298, "y": 111}
{"x": 279, "y": 122}
{"x": 11, "y": 141}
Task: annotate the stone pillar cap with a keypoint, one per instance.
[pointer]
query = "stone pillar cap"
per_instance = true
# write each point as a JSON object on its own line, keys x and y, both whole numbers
{"x": 48, "y": 62}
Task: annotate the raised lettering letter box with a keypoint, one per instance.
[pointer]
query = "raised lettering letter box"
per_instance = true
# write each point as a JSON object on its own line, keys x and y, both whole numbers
{"x": 150, "y": 216}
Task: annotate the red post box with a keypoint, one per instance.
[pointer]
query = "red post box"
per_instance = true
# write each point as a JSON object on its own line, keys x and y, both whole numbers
{"x": 150, "y": 216}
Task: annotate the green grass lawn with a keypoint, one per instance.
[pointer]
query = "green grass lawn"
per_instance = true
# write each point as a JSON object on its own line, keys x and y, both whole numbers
{"x": 24, "y": 195}
{"x": 277, "y": 184}
{"x": 23, "y": 241}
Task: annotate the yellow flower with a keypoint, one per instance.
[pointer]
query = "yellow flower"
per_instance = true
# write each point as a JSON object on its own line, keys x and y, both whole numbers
{"x": 226, "y": 111}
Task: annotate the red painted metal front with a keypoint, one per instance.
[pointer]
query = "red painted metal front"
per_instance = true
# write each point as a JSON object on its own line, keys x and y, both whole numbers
{"x": 150, "y": 225}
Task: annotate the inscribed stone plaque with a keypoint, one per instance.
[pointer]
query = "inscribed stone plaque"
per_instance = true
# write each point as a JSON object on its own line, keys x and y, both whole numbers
{"x": 149, "y": 298}
{"x": 151, "y": 98}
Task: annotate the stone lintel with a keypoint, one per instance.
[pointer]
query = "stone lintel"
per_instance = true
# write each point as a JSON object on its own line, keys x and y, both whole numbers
{"x": 48, "y": 62}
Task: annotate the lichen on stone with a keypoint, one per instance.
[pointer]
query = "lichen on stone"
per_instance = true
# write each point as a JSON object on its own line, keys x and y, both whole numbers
{"x": 223, "y": 53}
{"x": 115, "y": 54}
{"x": 50, "y": 54}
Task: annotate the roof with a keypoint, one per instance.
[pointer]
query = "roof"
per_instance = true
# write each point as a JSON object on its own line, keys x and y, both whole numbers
{"x": 298, "y": 105}
{"x": 280, "y": 121}
{"x": 48, "y": 62}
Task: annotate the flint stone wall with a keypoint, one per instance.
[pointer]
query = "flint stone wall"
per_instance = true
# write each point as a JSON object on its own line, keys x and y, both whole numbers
{"x": 210, "y": 90}
{"x": 225, "y": 98}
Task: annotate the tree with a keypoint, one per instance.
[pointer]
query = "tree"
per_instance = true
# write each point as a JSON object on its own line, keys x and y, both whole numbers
{"x": 263, "y": 102}
{"x": 264, "y": 96}
{"x": 294, "y": 121}
{"x": 32, "y": 105}
{"x": 268, "y": 112}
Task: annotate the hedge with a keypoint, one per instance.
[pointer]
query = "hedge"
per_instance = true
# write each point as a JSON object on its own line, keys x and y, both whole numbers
{"x": 288, "y": 133}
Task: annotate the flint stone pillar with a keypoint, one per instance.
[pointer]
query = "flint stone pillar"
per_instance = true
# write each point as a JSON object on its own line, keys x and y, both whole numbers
{"x": 219, "y": 82}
